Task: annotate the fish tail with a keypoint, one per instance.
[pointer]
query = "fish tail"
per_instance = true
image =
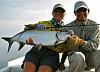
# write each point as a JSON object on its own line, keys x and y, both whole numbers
{"x": 9, "y": 41}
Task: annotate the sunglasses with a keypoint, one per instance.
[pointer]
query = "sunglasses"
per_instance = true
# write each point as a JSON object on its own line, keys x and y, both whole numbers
{"x": 60, "y": 10}
{"x": 81, "y": 10}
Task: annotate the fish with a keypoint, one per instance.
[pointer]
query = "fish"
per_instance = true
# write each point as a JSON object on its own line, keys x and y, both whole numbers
{"x": 39, "y": 37}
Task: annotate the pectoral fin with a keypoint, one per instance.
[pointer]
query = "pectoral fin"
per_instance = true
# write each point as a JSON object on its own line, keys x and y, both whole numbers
{"x": 21, "y": 44}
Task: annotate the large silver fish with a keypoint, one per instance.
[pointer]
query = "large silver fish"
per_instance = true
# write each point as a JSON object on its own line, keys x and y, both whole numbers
{"x": 43, "y": 37}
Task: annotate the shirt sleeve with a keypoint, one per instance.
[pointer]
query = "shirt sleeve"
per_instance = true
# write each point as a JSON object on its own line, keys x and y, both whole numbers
{"x": 94, "y": 41}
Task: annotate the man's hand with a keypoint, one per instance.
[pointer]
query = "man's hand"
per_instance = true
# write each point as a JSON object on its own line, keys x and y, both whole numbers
{"x": 29, "y": 41}
{"x": 74, "y": 42}
{"x": 40, "y": 26}
{"x": 61, "y": 67}
{"x": 37, "y": 26}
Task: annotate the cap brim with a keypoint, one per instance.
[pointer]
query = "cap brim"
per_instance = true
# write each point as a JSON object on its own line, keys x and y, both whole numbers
{"x": 81, "y": 7}
{"x": 59, "y": 8}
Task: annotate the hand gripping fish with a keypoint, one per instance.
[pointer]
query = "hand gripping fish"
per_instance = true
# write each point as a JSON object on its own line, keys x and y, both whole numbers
{"x": 43, "y": 37}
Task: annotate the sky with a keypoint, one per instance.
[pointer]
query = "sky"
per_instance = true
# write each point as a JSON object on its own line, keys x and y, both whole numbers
{"x": 14, "y": 14}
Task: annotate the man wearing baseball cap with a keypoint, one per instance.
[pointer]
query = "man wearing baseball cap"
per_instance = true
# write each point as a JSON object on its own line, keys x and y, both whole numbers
{"x": 84, "y": 55}
{"x": 58, "y": 6}
{"x": 80, "y": 4}
{"x": 44, "y": 59}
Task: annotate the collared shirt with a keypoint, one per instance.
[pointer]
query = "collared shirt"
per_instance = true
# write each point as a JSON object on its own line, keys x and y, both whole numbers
{"x": 89, "y": 33}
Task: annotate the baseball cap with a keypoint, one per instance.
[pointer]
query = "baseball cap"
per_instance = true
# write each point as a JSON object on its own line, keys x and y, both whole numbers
{"x": 58, "y": 6}
{"x": 80, "y": 4}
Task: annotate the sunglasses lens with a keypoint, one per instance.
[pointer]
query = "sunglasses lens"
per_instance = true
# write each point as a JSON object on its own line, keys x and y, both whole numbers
{"x": 81, "y": 10}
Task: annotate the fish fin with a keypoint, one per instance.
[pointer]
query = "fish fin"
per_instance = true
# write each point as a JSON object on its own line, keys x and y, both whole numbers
{"x": 10, "y": 44}
{"x": 55, "y": 44}
{"x": 9, "y": 41}
{"x": 21, "y": 44}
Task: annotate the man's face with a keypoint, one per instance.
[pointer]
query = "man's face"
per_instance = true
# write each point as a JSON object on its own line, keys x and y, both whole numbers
{"x": 81, "y": 14}
{"x": 58, "y": 14}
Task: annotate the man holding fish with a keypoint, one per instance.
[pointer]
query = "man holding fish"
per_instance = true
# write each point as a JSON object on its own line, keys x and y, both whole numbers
{"x": 42, "y": 58}
{"x": 86, "y": 56}
{"x": 80, "y": 42}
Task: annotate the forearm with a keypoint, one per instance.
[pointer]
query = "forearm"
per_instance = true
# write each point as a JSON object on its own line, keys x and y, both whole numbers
{"x": 94, "y": 41}
{"x": 64, "y": 56}
{"x": 91, "y": 45}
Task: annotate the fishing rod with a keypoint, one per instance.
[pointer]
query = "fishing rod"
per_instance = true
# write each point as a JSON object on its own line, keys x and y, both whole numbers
{"x": 76, "y": 25}
{"x": 67, "y": 25}
{"x": 81, "y": 25}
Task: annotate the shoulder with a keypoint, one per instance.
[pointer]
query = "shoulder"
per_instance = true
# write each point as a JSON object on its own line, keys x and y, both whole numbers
{"x": 91, "y": 21}
{"x": 44, "y": 22}
{"x": 71, "y": 23}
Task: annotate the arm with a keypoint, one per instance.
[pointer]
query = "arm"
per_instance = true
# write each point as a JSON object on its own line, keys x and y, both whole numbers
{"x": 39, "y": 25}
{"x": 64, "y": 56}
{"x": 29, "y": 26}
{"x": 61, "y": 64}
{"x": 94, "y": 41}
